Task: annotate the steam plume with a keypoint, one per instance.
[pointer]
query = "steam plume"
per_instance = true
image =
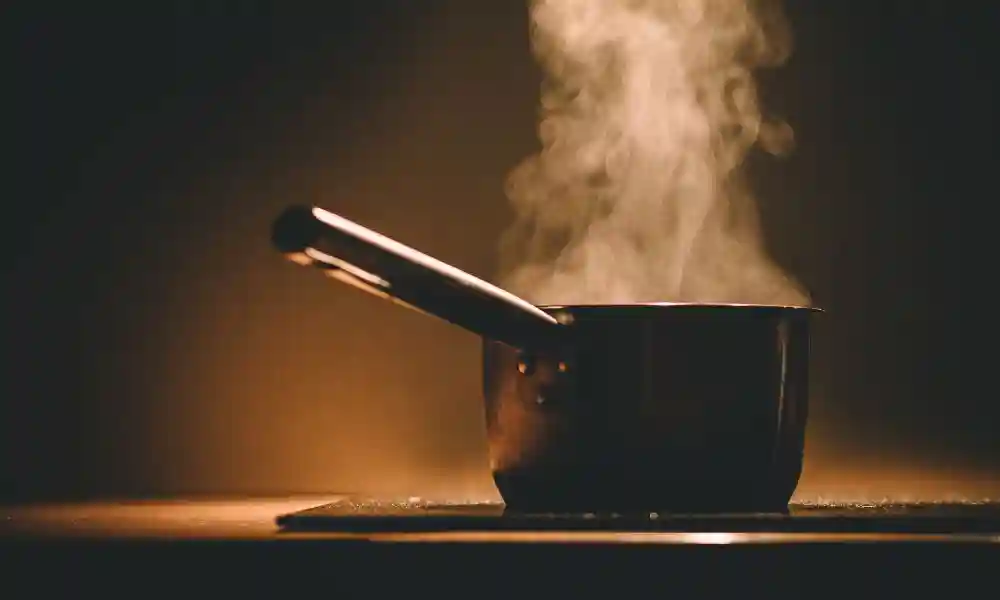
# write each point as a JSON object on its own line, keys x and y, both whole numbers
{"x": 648, "y": 110}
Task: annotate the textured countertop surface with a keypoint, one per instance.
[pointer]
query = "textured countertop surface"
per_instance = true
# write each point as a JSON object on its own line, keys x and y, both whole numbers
{"x": 341, "y": 518}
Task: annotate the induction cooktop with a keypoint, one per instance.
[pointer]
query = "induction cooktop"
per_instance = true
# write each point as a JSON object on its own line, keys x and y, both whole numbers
{"x": 978, "y": 521}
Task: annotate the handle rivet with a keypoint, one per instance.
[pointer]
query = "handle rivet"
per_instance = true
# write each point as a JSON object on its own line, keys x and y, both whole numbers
{"x": 564, "y": 318}
{"x": 526, "y": 365}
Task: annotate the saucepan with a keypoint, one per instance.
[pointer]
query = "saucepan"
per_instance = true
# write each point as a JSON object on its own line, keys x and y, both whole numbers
{"x": 659, "y": 407}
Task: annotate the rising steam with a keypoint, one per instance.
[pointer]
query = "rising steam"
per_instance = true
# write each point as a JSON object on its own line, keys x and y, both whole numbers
{"x": 648, "y": 110}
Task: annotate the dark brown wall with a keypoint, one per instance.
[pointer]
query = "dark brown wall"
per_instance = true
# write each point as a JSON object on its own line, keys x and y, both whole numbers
{"x": 156, "y": 344}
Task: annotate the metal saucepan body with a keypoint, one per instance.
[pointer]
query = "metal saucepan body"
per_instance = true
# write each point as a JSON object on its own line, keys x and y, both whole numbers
{"x": 651, "y": 407}
{"x": 671, "y": 408}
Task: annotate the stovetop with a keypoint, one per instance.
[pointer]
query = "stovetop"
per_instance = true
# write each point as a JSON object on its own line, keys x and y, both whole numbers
{"x": 974, "y": 520}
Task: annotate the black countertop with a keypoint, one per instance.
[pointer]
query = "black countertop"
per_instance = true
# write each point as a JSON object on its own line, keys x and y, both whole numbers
{"x": 378, "y": 548}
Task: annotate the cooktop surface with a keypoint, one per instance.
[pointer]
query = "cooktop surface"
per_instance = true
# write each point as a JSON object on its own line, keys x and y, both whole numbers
{"x": 953, "y": 521}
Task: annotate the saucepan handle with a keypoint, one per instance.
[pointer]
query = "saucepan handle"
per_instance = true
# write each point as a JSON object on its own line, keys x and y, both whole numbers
{"x": 382, "y": 266}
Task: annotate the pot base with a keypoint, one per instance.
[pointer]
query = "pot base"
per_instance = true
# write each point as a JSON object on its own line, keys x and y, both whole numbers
{"x": 562, "y": 493}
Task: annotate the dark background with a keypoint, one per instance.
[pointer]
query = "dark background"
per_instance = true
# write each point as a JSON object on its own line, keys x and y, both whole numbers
{"x": 155, "y": 344}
